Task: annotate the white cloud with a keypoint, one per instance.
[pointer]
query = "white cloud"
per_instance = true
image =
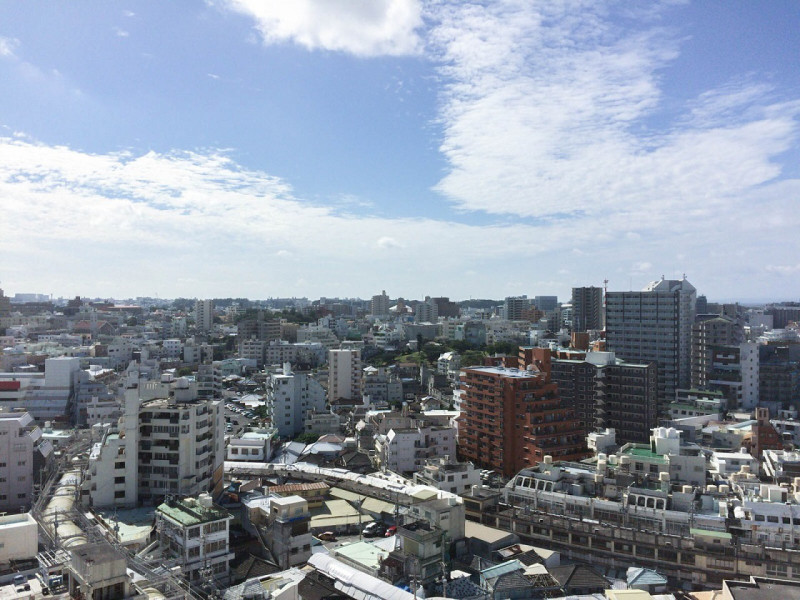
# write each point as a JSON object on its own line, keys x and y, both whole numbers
{"x": 548, "y": 111}
{"x": 8, "y": 46}
{"x": 387, "y": 242}
{"x": 359, "y": 27}
{"x": 119, "y": 32}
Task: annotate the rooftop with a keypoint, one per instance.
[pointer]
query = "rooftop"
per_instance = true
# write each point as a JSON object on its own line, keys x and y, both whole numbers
{"x": 190, "y": 511}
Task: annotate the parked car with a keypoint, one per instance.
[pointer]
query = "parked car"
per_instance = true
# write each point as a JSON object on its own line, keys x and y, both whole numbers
{"x": 376, "y": 528}
{"x": 327, "y": 536}
{"x": 391, "y": 531}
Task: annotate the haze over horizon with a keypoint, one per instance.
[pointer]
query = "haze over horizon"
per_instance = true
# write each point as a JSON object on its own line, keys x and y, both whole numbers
{"x": 237, "y": 148}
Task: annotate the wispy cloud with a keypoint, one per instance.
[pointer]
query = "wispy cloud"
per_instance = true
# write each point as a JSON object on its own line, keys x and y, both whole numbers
{"x": 548, "y": 111}
{"x": 119, "y": 32}
{"x": 7, "y": 46}
{"x": 359, "y": 27}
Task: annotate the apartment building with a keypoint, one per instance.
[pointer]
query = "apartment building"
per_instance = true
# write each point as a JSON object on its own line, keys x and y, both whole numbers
{"x": 655, "y": 325}
{"x": 344, "y": 375}
{"x": 22, "y": 454}
{"x": 168, "y": 441}
{"x": 204, "y": 315}
{"x": 587, "y": 308}
{"x": 289, "y": 397}
{"x": 447, "y": 475}
{"x": 512, "y": 418}
{"x": 708, "y": 332}
{"x": 406, "y": 450}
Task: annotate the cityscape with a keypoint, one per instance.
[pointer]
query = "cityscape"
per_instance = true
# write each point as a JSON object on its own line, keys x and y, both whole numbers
{"x": 614, "y": 444}
{"x": 400, "y": 299}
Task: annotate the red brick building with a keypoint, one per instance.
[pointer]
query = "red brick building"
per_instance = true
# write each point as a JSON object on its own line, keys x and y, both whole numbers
{"x": 511, "y": 418}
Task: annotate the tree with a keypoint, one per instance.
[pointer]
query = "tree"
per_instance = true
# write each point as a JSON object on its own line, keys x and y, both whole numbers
{"x": 472, "y": 358}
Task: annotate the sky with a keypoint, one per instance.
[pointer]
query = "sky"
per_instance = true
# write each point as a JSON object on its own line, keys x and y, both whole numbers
{"x": 260, "y": 148}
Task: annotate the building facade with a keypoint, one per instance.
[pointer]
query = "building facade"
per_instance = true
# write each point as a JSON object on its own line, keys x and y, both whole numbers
{"x": 587, "y": 308}
{"x": 512, "y": 418}
{"x": 655, "y": 325}
{"x": 344, "y": 375}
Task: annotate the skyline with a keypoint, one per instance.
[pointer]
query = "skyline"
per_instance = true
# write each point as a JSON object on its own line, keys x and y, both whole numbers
{"x": 247, "y": 149}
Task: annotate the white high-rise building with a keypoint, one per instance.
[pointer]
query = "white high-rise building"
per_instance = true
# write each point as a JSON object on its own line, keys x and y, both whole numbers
{"x": 379, "y": 305}
{"x": 168, "y": 441}
{"x": 655, "y": 325}
{"x": 289, "y": 396}
{"x": 204, "y": 315}
{"x": 344, "y": 375}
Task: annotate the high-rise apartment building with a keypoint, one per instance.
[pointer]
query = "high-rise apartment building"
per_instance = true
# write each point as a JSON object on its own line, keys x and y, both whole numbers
{"x": 168, "y": 442}
{"x": 734, "y": 371}
{"x": 655, "y": 325}
{"x": 426, "y": 311}
{"x": 514, "y": 307}
{"x": 607, "y": 392}
{"x": 344, "y": 375}
{"x": 545, "y": 303}
{"x": 289, "y": 397}
{"x": 512, "y": 418}
{"x": 204, "y": 315}
{"x": 587, "y": 308}
{"x": 379, "y": 305}
{"x": 709, "y": 331}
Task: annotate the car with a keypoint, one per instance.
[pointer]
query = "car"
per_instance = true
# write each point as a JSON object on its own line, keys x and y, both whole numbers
{"x": 374, "y": 529}
{"x": 391, "y": 531}
{"x": 327, "y": 536}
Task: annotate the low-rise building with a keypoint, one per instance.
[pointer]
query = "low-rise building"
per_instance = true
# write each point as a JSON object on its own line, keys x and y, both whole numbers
{"x": 447, "y": 475}
{"x": 196, "y": 532}
{"x": 254, "y": 446}
{"x": 407, "y": 450}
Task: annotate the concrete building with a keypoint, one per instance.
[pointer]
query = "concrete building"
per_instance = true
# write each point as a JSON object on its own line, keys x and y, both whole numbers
{"x": 204, "y": 315}
{"x": 587, "y": 308}
{"x": 734, "y": 371}
{"x": 709, "y": 332}
{"x": 426, "y": 311}
{"x": 655, "y": 325}
{"x": 344, "y": 375}
{"x": 22, "y": 454}
{"x": 406, "y": 450}
{"x": 253, "y": 446}
{"x": 168, "y": 441}
{"x": 512, "y": 418}
{"x": 379, "y": 305}
{"x": 197, "y": 533}
{"x": 448, "y": 476}
{"x": 606, "y": 392}
{"x": 99, "y": 571}
{"x": 19, "y": 538}
{"x": 382, "y": 386}
{"x": 289, "y": 396}
{"x": 283, "y": 525}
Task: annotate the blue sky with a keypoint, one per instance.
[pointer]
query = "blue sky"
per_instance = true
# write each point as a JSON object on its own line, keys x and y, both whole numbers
{"x": 307, "y": 148}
